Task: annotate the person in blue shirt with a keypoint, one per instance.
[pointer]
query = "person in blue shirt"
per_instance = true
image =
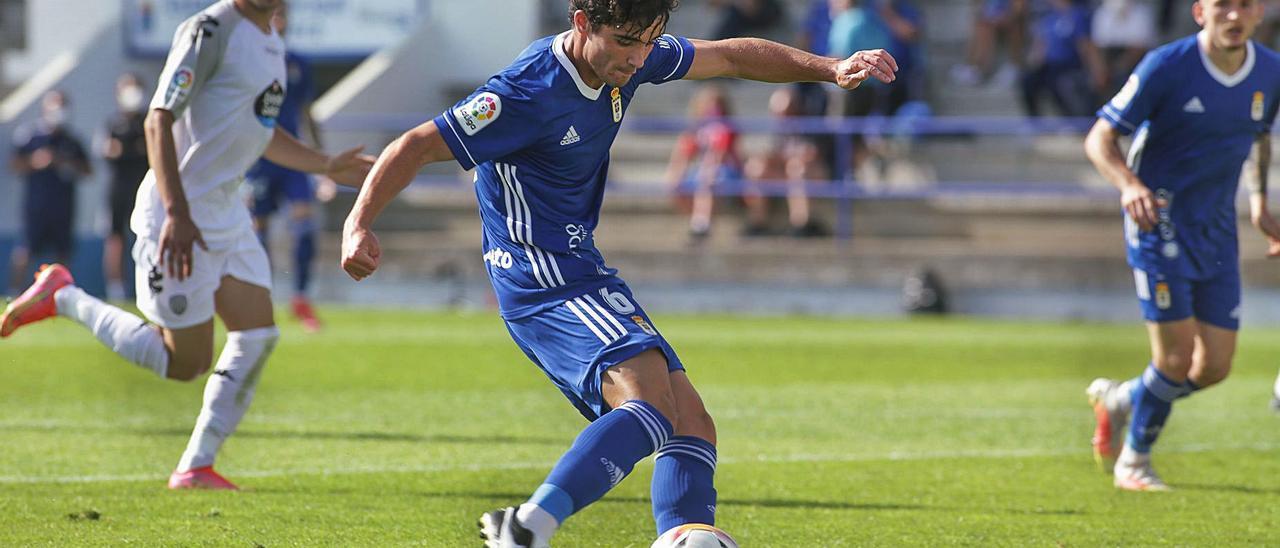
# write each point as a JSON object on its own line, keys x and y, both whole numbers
{"x": 272, "y": 183}
{"x": 51, "y": 159}
{"x": 1063, "y": 62}
{"x": 1197, "y": 108}
{"x": 538, "y": 134}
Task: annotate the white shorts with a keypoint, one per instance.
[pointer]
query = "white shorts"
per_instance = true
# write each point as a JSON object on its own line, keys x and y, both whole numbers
{"x": 174, "y": 304}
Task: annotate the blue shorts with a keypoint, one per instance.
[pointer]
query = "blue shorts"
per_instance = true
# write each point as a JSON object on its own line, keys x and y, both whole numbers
{"x": 577, "y": 340}
{"x": 1215, "y": 301}
{"x": 271, "y": 183}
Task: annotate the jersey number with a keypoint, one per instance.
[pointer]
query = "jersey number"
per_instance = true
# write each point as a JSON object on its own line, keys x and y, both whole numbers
{"x": 617, "y": 300}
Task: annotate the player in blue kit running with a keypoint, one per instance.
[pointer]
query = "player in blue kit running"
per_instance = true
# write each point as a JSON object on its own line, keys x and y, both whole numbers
{"x": 538, "y": 134}
{"x": 1198, "y": 109}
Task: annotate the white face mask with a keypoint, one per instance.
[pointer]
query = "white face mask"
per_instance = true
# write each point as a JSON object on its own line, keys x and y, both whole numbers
{"x": 130, "y": 98}
{"x": 55, "y": 117}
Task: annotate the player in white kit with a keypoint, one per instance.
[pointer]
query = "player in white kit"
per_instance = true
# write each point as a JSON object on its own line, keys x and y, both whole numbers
{"x": 213, "y": 115}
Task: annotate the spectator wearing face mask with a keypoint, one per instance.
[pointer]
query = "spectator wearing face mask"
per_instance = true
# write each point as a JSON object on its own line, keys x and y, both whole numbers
{"x": 125, "y": 150}
{"x": 51, "y": 160}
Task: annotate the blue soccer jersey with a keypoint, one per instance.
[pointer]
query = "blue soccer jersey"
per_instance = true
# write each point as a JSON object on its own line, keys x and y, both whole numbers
{"x": 1194, "y": 127}
{"x": 539, "y": 139}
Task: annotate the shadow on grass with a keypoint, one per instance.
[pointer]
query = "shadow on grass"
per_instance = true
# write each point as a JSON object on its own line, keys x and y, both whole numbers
{"x": 1226, "y": 488}
{"x": 303, "y": 435}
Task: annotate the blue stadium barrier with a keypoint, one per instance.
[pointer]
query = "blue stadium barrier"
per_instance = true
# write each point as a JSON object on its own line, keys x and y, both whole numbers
{"x": 842, "y": 189}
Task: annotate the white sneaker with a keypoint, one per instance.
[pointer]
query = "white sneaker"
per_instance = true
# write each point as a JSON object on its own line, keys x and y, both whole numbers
{"x": 501, "y": 529}
{"x": 1110, "y": 419}
{"x": 1138, "y": 476}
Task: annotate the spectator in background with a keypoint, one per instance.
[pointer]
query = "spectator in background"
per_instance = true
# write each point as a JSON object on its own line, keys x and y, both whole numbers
{"x": 996, "y": 21}
{"x": 1063, "y": 61}
{"x": 892, "y": 25}
{"x": 1123, "y": 30}
{"x": 52, "y": 160}
{"x": 793, "y": 159}
{"x": 125, "y": 150}
{"x": 747, "y": 17}
{"x": 1269, "y": 29}
{"x": 703, "y": 157}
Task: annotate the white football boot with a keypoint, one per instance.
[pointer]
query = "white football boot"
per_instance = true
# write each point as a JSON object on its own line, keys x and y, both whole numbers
{"x": 1133, "y": 472}
{"x": 1110, "y": 417}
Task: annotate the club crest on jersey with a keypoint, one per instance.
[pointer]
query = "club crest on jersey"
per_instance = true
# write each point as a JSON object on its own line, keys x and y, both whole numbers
{"x": 644, "y": 325}
{"x": 616, "y": 95}
{"x": 479, "y": 112}
{"x": 1163, "y": 298}
{"x": 179, "y": 86}
{"x": 267, "y": 106}
{"x": 1255, "y": 111}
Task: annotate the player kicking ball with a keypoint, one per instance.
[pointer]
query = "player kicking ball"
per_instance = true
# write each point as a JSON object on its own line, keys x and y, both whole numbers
{"x": 538, "y": 134}
{"x": 213, "y": 115}
{"x": 1198, "y": 108}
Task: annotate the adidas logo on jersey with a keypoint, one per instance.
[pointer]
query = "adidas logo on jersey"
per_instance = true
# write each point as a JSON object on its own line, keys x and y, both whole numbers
{"x": 1194, "y": 106}
{"x": 570, "y": 137}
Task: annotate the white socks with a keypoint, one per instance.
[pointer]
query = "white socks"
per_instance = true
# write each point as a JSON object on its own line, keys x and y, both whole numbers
{"x": 122, "y": 332}
{"x": 1278, "y": 386}
{"x": 227, "y": 393}
{"x": 1130, "y": 458}
{"x": 534, "y": 518}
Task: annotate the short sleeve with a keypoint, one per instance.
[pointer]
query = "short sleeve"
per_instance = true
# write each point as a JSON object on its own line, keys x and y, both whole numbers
{"x": 193, "y": 59}
{"x": 1139, "y": 97}
{"x": 494, "y": 121}
{"x": 670, "y": 60}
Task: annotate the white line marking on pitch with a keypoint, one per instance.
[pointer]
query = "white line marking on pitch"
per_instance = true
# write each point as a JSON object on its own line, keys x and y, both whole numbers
{"x": 766, "y": 459}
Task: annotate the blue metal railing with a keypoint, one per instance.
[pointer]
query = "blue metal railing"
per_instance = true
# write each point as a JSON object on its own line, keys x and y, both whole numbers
{"x": 842, "y": 188}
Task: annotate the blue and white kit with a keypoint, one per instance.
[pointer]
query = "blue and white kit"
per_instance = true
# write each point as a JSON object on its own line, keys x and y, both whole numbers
{"x": 1193, "y": 128}
{"x": 539, "y": 138}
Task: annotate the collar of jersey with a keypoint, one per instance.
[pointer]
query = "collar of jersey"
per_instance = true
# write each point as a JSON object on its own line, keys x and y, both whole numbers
{"x": 1229, "y": 80}
{"x": 557, "y": 47}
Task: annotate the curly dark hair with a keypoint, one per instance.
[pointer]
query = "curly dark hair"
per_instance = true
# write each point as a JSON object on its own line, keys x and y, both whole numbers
{"x": 629, "y": 15}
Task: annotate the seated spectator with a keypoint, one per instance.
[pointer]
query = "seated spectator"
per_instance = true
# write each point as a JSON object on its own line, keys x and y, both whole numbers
{"x": 747, "y": 17}
{"x": 792, "y": 159}
{"x": 996, "y": 21}
{"x": 1123, "y": 30}
{"x": 703, "y": 157}
{"x": 1063, "y": 62}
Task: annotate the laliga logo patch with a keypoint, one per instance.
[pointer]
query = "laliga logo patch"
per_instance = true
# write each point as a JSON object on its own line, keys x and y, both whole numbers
{"x": 1255, "y": 111}
{"x": 178, "y": 88}
{"x": 267, "y": 106}
{"x": 1127, "y": 93}
{"x": 480, "y": 112}
{"x": 616, "y": 95}
{"x": 178, "y": 304}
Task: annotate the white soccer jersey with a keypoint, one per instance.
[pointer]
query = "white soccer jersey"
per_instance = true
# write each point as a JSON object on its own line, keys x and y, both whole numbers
{"x": 224, "y": 83}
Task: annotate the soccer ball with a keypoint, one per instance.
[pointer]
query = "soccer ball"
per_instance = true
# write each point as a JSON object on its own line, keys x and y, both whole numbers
{"x": 694, "y": 535}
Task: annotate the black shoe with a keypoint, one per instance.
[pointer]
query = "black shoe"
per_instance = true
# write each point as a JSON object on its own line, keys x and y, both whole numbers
{"x": 501, "y": 529}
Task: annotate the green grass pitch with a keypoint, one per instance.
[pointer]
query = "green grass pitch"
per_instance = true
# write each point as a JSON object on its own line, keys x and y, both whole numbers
{"x": 399, "y": 428}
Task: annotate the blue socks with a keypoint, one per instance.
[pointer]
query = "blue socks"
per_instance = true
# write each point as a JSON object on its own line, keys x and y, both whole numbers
{"x": 604, "y": 453}
{"x": 1152, "y": 403}
{"x": 683, "y": 490}
{"x": 304, "y": 251}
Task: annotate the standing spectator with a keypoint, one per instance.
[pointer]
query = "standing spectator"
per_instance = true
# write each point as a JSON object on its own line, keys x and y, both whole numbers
{"x": 51, "y": 159}
{"x": 1063, "y": 62}
{"x": 125, "y": 150}
{"x": 273, "y": 184}
{"x": 793, "y": 159}
{"x": 892, "y": 25}
{"x": 704, "y": 156}
{"x": 747, "y": 17}
{"x": 1123, "y": 30}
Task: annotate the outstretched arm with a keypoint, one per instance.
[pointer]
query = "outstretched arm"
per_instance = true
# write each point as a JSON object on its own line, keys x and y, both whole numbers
{"x": 393, "y": 171}
{"x": 1255, "y": 178}
{"x": 766, "y": 61}
{"x": 348, "y": 168}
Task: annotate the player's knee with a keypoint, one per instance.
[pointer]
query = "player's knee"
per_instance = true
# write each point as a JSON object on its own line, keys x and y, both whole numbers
{"x": 187, "y": 368}
{"x": 1176, "y": 361}
{"x": 697, "y": 423}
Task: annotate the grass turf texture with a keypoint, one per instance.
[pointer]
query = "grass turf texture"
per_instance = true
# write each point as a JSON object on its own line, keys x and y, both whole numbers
{"x": 400, "y": 428}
